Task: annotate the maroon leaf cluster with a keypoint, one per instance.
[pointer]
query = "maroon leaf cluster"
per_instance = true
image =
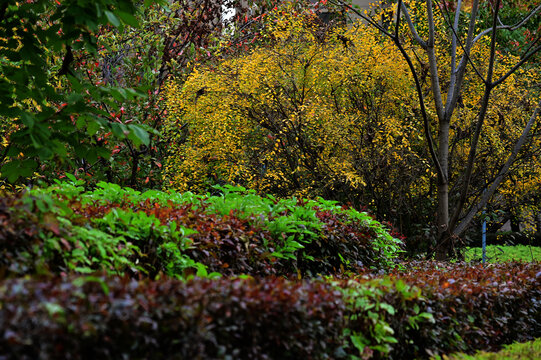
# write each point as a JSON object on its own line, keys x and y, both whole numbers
{"x": 116, "y": 318}
{"x": 339, "y": 235}
{"x": 474, "y": 307}
{"x": 478, "y": 307}
{"x": 233, "y": 245}
{"x": 21, "y": 250}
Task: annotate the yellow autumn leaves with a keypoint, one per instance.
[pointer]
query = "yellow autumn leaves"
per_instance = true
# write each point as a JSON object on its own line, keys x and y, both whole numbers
{"x": 292, "y": 118}
{"x": 330, "y": 114}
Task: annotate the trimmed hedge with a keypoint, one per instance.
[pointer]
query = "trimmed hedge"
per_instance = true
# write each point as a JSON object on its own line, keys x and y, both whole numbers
{"x": 438, "y": 308}
{"x": 121, "y": 231}
{"x": 429, "y": 309}
{"x": 114, "y": 318}
{"x": 475, "y": 307}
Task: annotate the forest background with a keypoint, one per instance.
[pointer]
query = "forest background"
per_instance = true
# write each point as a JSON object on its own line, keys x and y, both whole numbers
{"x": 281, "y": 98}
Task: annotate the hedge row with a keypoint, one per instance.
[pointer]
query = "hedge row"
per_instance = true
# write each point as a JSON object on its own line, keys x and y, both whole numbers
{"x": 431, "y": 309}
{"x": 470, "y": 308}
{"x": 475, "y": 307}
{"x": 114, "y": 318}
{"x": 120, "y": 231}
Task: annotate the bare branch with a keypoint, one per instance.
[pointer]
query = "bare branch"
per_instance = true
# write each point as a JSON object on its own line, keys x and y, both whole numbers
{"x": 426, "y": 124}
{"x": 508, "y": 27}
{"x": 480, "y": 122}
{"x": 452, "y": 97}
{"x": 454, "y": 30}
{"x": 369, "y": 20}
{"x": 410, "y": 25}
{"x": 433, "y": 63}
{"x": 454, "y": 41}
{"x": 501, "y": 174}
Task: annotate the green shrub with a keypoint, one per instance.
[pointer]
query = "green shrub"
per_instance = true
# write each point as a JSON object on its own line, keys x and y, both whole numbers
{"x": 37, "y": 237}
{"x": 233, "y": 233}
{"x": 496, "y": 254}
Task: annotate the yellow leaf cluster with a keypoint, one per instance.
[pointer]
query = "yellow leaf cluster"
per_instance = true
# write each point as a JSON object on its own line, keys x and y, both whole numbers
{"x": 306, "y": 115}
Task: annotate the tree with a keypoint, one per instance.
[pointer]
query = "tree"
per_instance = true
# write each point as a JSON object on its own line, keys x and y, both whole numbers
{"x": 312, "y": 112}
{"x": 455, "y": 214}
{"x": 50, "y": 110}
{"x": 116, "y": 46}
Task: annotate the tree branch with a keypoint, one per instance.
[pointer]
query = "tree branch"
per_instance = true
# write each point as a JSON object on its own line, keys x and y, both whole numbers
{"x": 501, "y": 174}
{"x": 454, "y": 92}
{"x": 480, "y": 122}
{"x": 508, "y": 27}
{"x": 426, "y": 124}
{"x": 369, "y": 20}
{"x": 433, "y": 63}
{"x": 411, "y": 26}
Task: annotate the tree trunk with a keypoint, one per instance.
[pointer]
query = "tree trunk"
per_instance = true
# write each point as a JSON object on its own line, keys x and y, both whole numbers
{"x": 515, "y": 223}
{"x": 443, "y": 245}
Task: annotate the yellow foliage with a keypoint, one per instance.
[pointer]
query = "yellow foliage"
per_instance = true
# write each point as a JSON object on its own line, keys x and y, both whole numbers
{"x": 307, "y": 115}
{"x": 335, "y": 114}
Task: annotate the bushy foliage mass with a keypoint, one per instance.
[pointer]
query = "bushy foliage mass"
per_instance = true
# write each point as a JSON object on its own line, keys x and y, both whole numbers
{"x": 65, "y": 229}
{"x": 430, "y": 309}
{"x": 332, "y": 112}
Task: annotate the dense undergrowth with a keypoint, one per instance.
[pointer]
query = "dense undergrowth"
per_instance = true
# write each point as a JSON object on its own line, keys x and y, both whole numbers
{"x": 114, "y": 273}
{"x": 122, "y": 231}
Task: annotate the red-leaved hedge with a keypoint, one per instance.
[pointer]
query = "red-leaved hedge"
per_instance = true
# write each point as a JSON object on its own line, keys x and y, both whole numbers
{"x": 100, "y": 317}
{"x": 119, "y": 318}
{"x": 474, "y": 308}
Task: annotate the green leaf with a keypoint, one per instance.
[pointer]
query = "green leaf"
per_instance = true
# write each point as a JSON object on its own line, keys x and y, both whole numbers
{"x": 119, "y": 94}
{"x": 92, "y": 127}
{"x": 119, "y": 130}
{"x": 112, "y": 18}
{"x": 390, "y": 339}
{"x": 71, "y": 177}
{"x": 74, "y": 98}
{"x": 45, "y": 153}
{"x": 128, "y": 18}
{"x": 138, "y": 135}
{"x": 53, "y": 309}
{"x": 391, "y": 310}
{"x": 359, "y": 342}
{"x": 27, "y": 120}
{"x": 15, "y": 169}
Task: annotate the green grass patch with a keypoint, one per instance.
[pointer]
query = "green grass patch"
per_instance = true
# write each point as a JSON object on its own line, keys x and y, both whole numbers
{"x": 522, "y": 351}
{"x": 498, "y": 254}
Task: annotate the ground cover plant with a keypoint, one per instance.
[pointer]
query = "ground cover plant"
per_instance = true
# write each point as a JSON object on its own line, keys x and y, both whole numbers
{"x": 496, "y": 253}
{"x": 529, "y": 351}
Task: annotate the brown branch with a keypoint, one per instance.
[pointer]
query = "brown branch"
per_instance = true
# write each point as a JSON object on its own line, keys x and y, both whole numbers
{"x": 501, "y": 174}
